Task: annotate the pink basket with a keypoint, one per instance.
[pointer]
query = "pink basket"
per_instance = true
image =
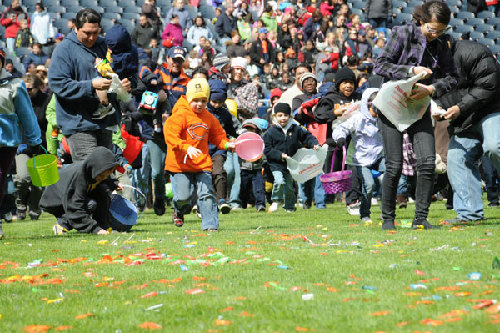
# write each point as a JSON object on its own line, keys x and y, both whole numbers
{"x": 338, "y": 181}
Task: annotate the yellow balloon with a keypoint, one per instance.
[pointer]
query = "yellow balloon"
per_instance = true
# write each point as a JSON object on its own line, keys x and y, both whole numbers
{"x": 232, "y": 106}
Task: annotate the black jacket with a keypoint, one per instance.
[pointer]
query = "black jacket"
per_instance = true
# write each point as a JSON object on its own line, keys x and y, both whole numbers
{"x": 478, "y": 90}
{"x": 71, "y": 194}
{"x": 276, "y": 143}
{"x": 141, "y": 36}
{"x": 225, "y": 25}
{"x": 235, "y": 50}
{"x": 324, "y": 110}
{"x": 256, "y": 52}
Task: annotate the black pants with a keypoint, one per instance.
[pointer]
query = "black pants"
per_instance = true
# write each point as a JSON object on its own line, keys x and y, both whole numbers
{"x": 422, "y": 136}
{"x": 252, "y": 182}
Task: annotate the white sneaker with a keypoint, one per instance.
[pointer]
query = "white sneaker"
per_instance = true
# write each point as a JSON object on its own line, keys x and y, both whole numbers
{"x": 353, "y": 209}
{"x": 273, "y": 208}
{"x": 374, "y": 201}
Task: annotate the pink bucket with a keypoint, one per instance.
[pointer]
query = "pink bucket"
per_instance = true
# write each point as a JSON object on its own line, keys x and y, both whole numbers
{"x": 338, "y": 181}
{"x": 249, "y": 146}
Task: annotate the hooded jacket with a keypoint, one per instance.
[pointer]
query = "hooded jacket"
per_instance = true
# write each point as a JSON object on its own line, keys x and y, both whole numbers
{"x": 16, "y": 113}
{"x": 184, "y": 129}
{"x": 73, "y": 190}
{"x": 362, "y": 127}
{"x": 125, "y": 56}
{"x": 478, "y": 90}
{"x": 70, "y": 77}
{"x": 288, "y": 140}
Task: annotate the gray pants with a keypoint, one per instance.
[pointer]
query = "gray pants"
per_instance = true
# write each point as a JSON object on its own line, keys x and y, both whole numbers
{"x": 83, "y": 143}
{"x": 28, "y": 195}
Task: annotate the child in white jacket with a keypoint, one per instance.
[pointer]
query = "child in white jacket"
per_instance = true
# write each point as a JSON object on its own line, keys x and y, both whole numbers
{"x": 368, "y": 148}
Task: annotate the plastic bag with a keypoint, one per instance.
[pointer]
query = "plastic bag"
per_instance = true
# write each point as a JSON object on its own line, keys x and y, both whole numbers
{"x": 392, "y": 100}
{"x": 116, "y": 87}
{"x": 307, "y": 163}
{"x": 350, "y": 111}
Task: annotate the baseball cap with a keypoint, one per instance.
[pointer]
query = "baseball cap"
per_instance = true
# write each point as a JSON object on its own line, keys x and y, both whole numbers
{"x": 177, "y": 52}
{"x": 262, "y": 31}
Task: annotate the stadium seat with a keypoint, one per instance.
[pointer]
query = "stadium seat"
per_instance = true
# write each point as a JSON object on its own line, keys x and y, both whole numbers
{"x": 454, "y": 9}
{"x": 29, "y": 3}
{"x": 112, "y": 16}
{"x": 106, "y": 24}
{"x": 132, "y": 9}
{"x": 164, "y": 3}
{"x": 129, "y": 25}
{"x": 70, "y": 14}
{"x": 494, "y": 21}
{"x": 56, "y": 9}
{"x": 455, "y": 35}
{"x": 89, "y": 3}
{"x": 22, "y": 51}
{"x": 464, "y": 15}
{"x": 62, "y": 25}
{"x": 486, "y": 41}
{"x": 114, "y": 9}
{"x": 464, "y": 28}
{"x": 485, "y": 28}
{"x": 139, "y": 3}
{"x": 130, "y": 16}
{"x": 207, "y": 11}
{"x": 358, "y": 4}
{"x": 69, "y": 3}
{"x": 457, "y": 3}
{"x": 476, "y": 35}
{"x": 475, "y": 21}
{"x": 360, "y": 13}
{"x": 404, "y": 18}
{"x": 486, "y": 14}
{"x": 493, "y": 34}
{"x": 108, "y": 3}
{"x": 455, "y": 22}
{"x": 407, "y": 10}
{"x": 400, "y": 4}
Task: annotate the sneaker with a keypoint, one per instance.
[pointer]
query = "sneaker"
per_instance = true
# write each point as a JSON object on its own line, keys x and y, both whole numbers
{"x": 8, "y": 217}
{"x": 59, "y": 230}
{"x": 493, "y": 204}
{"x": 178, "y": 219}
{"x": 423, "y": 224}
{"x": 306, "y": 205}
{"x": 388, "y": 225}
{"x": 374, "y": 201}
{"x": 224, "y": 208}
{"x": 290, "y": 210}
{"x": 196, "y": 211}
{"x": 273, "y": 208}
{"x": 211, "y": 230}
{"x": 21, "y": 215}
{"x": 353, "y": 209}
{"x": 367, "y": 221}
{"x": 236, "y": 207}
{"x": 261, "y": 208}
{"x": 34, "y": 217}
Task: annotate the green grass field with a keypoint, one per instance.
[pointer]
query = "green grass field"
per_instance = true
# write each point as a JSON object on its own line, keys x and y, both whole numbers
{"x": 347, "y": 278}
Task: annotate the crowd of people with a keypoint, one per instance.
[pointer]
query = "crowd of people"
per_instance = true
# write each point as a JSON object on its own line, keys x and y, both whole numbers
{"x": 156, "y": 111}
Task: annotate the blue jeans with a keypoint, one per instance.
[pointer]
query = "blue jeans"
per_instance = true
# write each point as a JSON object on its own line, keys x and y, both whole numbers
{"x": 157, "y": 154}
{"x": 140, "y": 178}
{"x": 310, "y": 188}
{"x": 463, "y": 166}
{"x": 183, "y": 185}
{"x": 283, "y": 189}
{"x": 232, "y": 167}
{"x": 368, "y": 184}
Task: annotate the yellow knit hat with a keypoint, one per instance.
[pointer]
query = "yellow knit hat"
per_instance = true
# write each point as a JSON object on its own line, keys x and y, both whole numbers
{"x": 197, "y": 88}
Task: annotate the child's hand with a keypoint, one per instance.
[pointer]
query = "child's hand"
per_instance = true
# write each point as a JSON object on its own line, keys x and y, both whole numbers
{"x": 284, "y": 156}
{"x": 193, "y": 152}
{"x": 154, "y": 82}
{"x": 126, "y": 84}
{"x": 316, "y": 147}
{"x": 230, "y": 145}
{"x": 119, "y": 187}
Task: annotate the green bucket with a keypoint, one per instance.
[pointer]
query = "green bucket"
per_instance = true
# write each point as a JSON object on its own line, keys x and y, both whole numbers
{"x": 43, "y": 170}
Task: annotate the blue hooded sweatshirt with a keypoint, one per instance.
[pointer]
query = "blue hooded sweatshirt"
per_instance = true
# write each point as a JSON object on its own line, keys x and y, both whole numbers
{"x": 125, "y": 56}
{"x": 71, "y": 72}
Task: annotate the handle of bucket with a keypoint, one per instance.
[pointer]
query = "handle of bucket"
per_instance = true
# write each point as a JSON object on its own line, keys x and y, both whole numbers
{"x": 343, "y": 158}
{"x": 46, "y": 152}
{"x": 138, "y": 191}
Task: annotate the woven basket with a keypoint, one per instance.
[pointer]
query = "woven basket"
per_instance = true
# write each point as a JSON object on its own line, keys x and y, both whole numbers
{"x": 338, "y": 181}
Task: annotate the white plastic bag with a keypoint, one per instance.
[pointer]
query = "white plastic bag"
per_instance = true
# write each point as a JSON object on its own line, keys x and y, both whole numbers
{"x": 307, "y": 163}
{"x": 392, "y": 100}
{"x": 116, "y": 87}
{"x": 351, "y": 110}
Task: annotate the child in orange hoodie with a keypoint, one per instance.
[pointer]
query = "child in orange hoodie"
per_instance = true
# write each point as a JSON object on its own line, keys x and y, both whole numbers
{"x": 187, "y": 133}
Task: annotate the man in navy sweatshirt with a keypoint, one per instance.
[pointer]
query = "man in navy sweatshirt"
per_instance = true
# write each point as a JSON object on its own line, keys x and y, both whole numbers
{"x": 74, "y": 79}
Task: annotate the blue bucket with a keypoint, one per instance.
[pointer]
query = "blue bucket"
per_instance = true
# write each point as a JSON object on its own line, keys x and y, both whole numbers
{"x": 123, "y": 210}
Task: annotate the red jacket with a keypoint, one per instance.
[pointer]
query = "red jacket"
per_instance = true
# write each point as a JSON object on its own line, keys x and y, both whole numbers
{"x": 12, "y": 25}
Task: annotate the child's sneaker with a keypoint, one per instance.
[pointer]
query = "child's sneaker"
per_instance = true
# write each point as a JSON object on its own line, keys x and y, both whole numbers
{"x": 367, "y": 221}
{"x": 8, "y": 217}
{"x": 273, "y": 208}
{"x": 290, "y": 210}
{"x": 178, "y": 218}
{"x": 59, "y": 230}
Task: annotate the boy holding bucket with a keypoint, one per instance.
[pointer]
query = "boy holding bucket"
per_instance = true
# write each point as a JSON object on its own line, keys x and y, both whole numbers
{"x": 187, "y": 134}
{"x": 283, "y": 139}
{"x": 15, "y": 110}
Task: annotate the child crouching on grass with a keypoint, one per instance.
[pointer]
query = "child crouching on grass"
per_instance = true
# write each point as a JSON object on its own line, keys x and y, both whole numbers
{"x": 187, "y": 134}
{"x": 283, "y": 139}
{"x": 368, "y": 148}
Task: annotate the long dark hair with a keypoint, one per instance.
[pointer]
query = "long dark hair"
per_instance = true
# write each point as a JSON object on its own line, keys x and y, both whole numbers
{"x": 436, "y": 10}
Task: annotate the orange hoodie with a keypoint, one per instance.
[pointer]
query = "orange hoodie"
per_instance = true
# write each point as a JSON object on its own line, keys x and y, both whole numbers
{"x": 185, "y": 128}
